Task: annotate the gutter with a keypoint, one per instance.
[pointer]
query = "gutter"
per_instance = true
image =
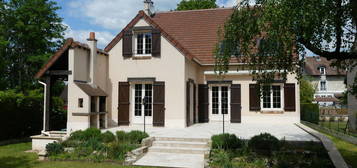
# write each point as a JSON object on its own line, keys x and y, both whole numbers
{"x": 44, "y": 107}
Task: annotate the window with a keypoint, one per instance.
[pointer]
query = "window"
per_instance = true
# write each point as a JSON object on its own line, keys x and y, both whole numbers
{"x": 322, "y": 70}
{"x": 143, "y": 44}
{"x": 272, "y": 97}
{"x": 80, "y": 102}
{"x": 323, "y": 85}
{"x": 215, "y": 105}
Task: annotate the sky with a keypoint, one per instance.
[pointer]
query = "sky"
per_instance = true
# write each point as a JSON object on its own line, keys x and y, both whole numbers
{"x": 107, "y": 17}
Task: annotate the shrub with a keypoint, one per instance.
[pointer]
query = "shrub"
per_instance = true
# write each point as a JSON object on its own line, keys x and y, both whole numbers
{"x": 264, "y": 143}
{"x": 310, "y": 112}
{"x": 221, "y": 158}
{"x": 93, "y": 143}
{"x": 86, "y": 134}
{"x": 107, "y": 137}
{"x": 122, "y": 136}
{"x": 54, "y": 149}
{"x": 137, "y": 136}
{"x": 226, "y": 141}
{"x": 118, "y": 150}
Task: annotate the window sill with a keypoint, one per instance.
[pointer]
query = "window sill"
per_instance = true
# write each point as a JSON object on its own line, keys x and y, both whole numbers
{"x": 141, "y": 57}
{"x": 272, "y": 111}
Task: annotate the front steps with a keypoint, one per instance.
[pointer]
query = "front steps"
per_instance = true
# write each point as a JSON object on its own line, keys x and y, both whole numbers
{"x": 176, "y": 152}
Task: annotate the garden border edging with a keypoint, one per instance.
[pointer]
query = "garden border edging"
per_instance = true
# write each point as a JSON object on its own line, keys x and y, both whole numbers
{"x": 136, "y": 154}
{"x": 332, "y": 151}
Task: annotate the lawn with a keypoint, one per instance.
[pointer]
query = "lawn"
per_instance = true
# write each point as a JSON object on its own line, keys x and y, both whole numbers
{"x": 14, "y": 156}
{"x": 347, "y": 150}
{"x": 337, "y": 126}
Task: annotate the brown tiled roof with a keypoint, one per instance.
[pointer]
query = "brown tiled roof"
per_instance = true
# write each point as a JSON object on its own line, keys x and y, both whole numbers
{"x": 70, "y": 43}
{"x": 89, "y": 90}
{"x": 194, "y": 32}
{"x": 312, "y": 64}
{"x": 326, "y": 99}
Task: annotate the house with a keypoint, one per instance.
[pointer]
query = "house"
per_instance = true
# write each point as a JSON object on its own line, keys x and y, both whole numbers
{"x": 329, "y": 82}
{"x": 159, "y": 71}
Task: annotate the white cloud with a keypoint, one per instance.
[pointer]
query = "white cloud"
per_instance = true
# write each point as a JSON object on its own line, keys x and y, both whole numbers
{"x": 103, "y": 37}
{"x": 113, "y": 14}
{"x": 226, "y": 3}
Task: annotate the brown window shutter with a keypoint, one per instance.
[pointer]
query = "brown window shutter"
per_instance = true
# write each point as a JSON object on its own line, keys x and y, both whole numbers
{"x": 159, "y": 104}
{"x": 254, "y": 99}
{"x": 194, "y": 104}
{"x": 203, "y": 103}
{"x": 289, "y": 97}
{"x": 188, "y": 103}
{"x": 123, "y": 105}
{"x": 128, "y": 43}
{"x": 156, "y": 43}
{"x": 236, "y": 103}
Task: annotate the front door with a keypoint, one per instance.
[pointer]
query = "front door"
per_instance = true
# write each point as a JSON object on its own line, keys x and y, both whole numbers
{"x": 219, "y": 103}
{"x": 142, "y": 104}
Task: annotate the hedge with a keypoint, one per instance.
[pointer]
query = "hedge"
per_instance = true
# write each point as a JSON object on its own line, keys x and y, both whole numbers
{"x": 22, "y": 115}
{"x": 310, "y": 112}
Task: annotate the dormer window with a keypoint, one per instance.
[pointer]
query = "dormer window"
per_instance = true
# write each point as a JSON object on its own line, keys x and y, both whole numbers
{"x": 143, "y": 44}
{"x": 322, "y": 70}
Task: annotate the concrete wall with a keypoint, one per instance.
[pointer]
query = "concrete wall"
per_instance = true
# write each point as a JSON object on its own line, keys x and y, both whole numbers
{"x": 352, "y": 100}
{"x": 170, "y": 68}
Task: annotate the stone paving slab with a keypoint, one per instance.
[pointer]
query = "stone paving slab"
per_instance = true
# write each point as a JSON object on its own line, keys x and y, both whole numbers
{"x": 281, "y": 130}
{"x": 171, "y": 160}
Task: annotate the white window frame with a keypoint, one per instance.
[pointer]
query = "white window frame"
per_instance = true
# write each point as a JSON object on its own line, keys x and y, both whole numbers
{"x": 140, "y": 119}
{"x": 144, "y": 44}
{"x": 271, "y": 99}
{"x": 325, "y": 89}
{"x": 218, "y": 117}
{"x": 322, "y": 70}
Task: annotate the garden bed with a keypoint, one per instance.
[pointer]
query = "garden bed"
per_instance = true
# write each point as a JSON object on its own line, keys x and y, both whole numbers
{"x": 266, "y": 151}
{"x": 92, "y": 145}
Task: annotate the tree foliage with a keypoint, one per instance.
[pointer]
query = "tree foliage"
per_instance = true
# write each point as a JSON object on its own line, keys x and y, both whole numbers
{"x": 196, "y": 4}
{"x": 30, "y": 31}
{"x": 270, "y": 35}
{"x": 306, "y": 91}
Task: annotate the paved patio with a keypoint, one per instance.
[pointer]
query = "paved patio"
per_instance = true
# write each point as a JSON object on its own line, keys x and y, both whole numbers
{"x": 289, "y": 131}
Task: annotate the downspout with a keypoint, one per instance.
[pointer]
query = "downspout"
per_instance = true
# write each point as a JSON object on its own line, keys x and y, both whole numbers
{"x": 44, "y": 107}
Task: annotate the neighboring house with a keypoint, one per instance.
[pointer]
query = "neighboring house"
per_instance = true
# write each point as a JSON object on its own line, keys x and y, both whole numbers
{"x": 161, "y": 65}
{"x": 329, "y": 82}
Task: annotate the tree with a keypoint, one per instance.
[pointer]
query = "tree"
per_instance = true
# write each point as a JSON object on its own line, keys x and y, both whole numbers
{"x": 307, "y": 91}
{"x": 196, "y": 4}
{"x": 30, "y": 32}
{"x": 270, "y": 36}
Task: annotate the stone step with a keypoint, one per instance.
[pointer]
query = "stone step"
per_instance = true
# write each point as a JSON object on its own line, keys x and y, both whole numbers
{"x": 181, "y": 139}
{"x": 184, "y": 144}
{"x": 167, "y": 149}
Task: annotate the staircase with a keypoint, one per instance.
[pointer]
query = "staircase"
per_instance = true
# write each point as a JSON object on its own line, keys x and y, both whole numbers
{"x": 176, "y": 152}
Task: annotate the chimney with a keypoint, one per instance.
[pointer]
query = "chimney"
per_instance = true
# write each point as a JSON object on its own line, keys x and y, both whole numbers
{"x": 92, "y": 43}
{"x": 149, "y": 7}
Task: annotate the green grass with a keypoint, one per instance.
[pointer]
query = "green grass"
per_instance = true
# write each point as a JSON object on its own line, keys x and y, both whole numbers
{"x": 14, "y": 156}
{"x": 347, "y": 150}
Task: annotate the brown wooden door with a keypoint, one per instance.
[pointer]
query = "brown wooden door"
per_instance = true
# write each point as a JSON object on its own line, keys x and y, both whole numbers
{"x": 159, "y": 104}
{"x": 203, "y": 103}
{"x": 124, "y": 103}
{"x": 236, "y": 103}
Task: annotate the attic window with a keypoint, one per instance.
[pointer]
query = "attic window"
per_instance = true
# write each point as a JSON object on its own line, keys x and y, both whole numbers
{"x": 143, "y": 43}
{"x": 322, "y": 70}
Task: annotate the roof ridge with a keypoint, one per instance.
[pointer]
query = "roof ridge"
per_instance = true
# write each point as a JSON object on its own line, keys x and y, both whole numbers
{"x": 195, "y": 10}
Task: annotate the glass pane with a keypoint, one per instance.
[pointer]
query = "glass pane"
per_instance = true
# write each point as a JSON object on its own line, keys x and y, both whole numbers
{"x": 139, "y": 44}
{"x": 224, "y": 99}
{"x": 148, "y": 100}
{"x": 276, "y": 97}
{"x": 266, "y": 97}
{"x": 215, "y": 105}
{"x": 148, "y": 43}
{"x": 138, "y": 96}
